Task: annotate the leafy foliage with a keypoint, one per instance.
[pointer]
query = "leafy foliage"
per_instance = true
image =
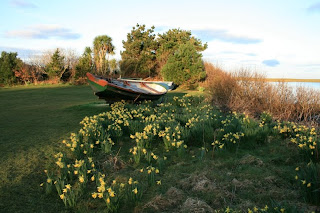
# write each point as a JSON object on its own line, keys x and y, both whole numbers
{"x": 184, "y": 66}
{"x": 55, "y": 67}
{"x": 85, "y": 64}
{"x": 139, "y": 57}
{"x": 29, "y": 74}
{"x": 170, "y": 41}
{"x": 102, "y": 45}
{"x": 8, "y": 64}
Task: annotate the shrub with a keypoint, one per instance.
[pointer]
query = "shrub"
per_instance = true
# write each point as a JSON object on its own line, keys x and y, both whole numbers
{"x": 250, "y": 92}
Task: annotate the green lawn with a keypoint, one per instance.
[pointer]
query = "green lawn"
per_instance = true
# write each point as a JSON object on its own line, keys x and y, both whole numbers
{"x": 33, "y": 121}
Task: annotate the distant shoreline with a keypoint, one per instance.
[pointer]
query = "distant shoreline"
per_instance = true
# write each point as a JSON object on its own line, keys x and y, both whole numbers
{"x": 292, "y": 80}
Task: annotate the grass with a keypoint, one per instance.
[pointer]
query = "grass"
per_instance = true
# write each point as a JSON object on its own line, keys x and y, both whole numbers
{"x": 33, "y": 121}
{"x": 36, "y": 120}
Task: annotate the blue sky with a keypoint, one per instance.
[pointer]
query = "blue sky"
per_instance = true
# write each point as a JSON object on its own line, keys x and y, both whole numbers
{"x": 278, "y": 38}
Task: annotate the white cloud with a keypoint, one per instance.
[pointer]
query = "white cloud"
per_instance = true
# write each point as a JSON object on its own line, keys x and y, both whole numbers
{"x": 22, "y": 4}
{"x": 44, "y": 32}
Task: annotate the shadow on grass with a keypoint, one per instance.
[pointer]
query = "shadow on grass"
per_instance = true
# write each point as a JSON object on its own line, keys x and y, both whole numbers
{"x": 26, "y": 195}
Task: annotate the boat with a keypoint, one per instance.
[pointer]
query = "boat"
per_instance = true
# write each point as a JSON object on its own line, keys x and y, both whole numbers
{"x": 113, "y": 90}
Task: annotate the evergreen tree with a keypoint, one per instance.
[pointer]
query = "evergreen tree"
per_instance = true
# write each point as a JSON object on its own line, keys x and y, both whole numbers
{"x": 185, "y": 66}
{"x": 55, "y": 67}
{"x": 9, "y": 63}
{"x": 138, "y": 58}
{"x": 171, "y": 40}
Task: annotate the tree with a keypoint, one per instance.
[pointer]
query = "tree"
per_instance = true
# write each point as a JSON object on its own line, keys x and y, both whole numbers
{"x": 9, "y": 63}
{"x": 70, "y": 61}
{"x": 85, "y": 64}
{"x": 27, "y": 74}
{"x": 138, "y": 58}
{"x": 55, "y": 68}
{"x": 171, "y": 40}
{"x": 184, "y": 66}
{"x": 113, "y": 66}
{"x": 102, "y": 45}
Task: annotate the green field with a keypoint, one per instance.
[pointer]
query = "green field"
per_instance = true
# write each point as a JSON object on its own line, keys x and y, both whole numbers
{"x": 34, "y": 121}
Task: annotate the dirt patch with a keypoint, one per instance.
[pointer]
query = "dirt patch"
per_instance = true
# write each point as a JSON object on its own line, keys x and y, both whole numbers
{"x": 195, "y": 206}
{"x": 197, "y": 183}
{"x": 241, "y": 184}
{"x": 161, "y": 203}
{"x": 251, "y": 160}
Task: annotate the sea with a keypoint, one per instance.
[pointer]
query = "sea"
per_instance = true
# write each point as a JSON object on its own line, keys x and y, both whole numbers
{"x": 312, "y": 85}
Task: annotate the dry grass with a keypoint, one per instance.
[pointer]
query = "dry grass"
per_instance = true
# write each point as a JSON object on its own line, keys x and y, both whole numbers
{"x": 251, "y": 92}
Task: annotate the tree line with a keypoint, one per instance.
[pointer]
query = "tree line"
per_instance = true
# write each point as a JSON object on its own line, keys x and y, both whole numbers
{"x": 174, "y": 55}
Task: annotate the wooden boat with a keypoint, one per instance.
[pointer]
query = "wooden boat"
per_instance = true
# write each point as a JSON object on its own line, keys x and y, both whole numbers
{"x": 126, "y": 89}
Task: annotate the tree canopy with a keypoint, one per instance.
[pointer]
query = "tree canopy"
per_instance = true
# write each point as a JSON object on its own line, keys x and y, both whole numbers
{"x": 146, "y": 54}
{"x": 102, "y": 45}
{"x": 9, "y": 63}
{"x": 85, "y": 63}
{"x": 55, "y": 67}
{"x": 170, "y": 41}
{"x": 185, "y": 66}
{"x": 138, "y": 58}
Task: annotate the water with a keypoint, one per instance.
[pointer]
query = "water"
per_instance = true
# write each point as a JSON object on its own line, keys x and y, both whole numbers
{"x": 312, "y": 85}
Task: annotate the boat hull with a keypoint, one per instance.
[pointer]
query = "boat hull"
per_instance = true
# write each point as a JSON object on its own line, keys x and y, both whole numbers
{"x": 114, "y": 90}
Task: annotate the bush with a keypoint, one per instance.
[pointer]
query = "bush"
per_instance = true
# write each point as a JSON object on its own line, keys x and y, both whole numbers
{"x": 250, "y": 92}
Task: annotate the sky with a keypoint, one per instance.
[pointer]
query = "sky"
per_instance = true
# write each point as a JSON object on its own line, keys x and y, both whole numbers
{"x": 278, "y": 38}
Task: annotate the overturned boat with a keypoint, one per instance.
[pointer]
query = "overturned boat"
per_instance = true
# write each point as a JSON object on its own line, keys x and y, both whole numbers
{"x": 127, "y": 89}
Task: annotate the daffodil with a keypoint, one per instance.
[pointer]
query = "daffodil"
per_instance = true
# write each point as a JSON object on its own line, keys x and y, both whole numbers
{"x": 68, "y": 186}
{"x": 81, "y": 179}
{"x": 62, "y": 196}
{"x": 135, "y": 191}
{"x": 100, "y": 195}
{"x": 94, "y": 195}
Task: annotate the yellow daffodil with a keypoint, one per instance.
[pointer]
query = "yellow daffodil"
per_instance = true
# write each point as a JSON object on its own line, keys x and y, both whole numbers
{"x": 94, "y": 195}
{"x": 135, "y": 191}
{"x": 62, "y": 196}
{"x": 100, "y": 195}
